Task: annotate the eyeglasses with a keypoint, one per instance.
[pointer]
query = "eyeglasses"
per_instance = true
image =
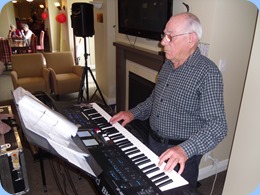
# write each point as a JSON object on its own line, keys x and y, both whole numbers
{"x": 170, "y": 37}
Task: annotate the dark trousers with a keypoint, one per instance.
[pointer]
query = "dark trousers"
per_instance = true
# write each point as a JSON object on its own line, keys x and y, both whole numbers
{"x": 191, "y": 170}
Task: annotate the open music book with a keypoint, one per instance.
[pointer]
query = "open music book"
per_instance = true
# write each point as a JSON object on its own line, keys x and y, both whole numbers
{"x": 49, "y": 124}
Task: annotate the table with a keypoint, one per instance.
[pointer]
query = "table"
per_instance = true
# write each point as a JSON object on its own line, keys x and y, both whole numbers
{"x": 19, "y": 46}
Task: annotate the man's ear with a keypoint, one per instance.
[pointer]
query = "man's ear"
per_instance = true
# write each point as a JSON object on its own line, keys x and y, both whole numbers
{"x": 192, "y": 39}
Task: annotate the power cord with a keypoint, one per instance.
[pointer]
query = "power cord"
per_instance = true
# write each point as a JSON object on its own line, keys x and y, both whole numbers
{"x": 132, "y": 44}
{"x": 215, "y": 164}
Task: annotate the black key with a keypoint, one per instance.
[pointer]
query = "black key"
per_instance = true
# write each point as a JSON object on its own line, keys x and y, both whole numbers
{"x": 126, "y": 145}
{"x": 124, "y": 141}
{"x": 100, "y": 120}
{"x": 157, "y": 176}
{"x": 115, "y": 136}
{"x": 105, "y": 125}
{"x": 89, "y": 111}
{"x": 136, "y": 157}
{"x": 119, "y": 136}
{"x": 133, "y": 152}
{"x": 161, "y": 179}
{"x": 148, "y": 167}
{"x": 165, "y": 183}
{"x": 130, "y": 149}
{"x": 151, "y": 170}
{"x": 111, "y": 130}
{"x": 94, "y": 115}
{"x": 139, "y": 159}
{"x": 143, "y": 162}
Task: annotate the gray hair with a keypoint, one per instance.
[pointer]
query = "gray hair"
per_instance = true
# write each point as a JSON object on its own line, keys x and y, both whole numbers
{"x": 192, "y": 24}
{"x": 25, "y": 25}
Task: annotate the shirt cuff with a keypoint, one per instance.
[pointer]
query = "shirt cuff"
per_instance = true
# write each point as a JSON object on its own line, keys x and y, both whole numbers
{"x": 135, "y": 111}
{"x": 189, "y": 147}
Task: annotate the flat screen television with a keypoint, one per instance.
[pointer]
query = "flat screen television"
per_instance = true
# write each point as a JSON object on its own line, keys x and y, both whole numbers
{"x": 143, "y": 18}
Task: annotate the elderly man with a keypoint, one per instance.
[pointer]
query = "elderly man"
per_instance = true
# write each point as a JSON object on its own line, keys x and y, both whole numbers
{"x": 26, "y": 33}
{"x": 186, "y": 108}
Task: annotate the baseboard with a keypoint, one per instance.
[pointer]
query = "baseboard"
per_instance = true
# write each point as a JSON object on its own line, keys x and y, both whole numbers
{"x": 212, "y": 170}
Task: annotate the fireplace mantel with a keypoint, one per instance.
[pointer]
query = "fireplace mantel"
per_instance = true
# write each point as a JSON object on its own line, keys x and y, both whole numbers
{"x": 144, "y": 57}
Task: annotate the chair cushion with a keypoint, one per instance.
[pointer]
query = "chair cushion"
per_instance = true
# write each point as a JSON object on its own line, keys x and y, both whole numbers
{"x": 67, "y": 83}
{"x": 33, "y": 84}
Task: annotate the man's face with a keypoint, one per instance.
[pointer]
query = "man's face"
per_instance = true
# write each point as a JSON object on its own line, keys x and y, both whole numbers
{"x": 175, "y": 41}
{"x": 25, "y": 28}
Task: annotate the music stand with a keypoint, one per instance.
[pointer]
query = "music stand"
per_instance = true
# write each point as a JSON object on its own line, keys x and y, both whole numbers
{"x": 84, "y": 77}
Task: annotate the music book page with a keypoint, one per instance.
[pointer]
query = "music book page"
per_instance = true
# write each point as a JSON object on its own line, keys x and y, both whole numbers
{"x": 52, "y": 126}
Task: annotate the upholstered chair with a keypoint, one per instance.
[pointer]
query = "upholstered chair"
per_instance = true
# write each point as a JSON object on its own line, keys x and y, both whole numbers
{"x": 30, "y": 72}
{"x": 65, "y": 76}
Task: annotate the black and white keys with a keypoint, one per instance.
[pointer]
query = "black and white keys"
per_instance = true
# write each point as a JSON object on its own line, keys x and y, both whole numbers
{"x": 140, "y": 154}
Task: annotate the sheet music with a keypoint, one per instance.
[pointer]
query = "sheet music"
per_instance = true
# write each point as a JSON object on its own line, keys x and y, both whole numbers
{"x": 52, "y": 126}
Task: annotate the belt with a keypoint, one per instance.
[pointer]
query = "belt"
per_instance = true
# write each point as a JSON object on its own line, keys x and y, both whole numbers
{"x": 163, "y": 140}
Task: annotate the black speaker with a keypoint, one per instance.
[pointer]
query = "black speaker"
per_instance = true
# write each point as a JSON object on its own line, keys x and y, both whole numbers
{"x": 82, "y": 19}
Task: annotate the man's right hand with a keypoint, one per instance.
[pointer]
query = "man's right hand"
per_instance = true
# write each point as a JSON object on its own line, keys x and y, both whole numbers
{"x": 124, "y": 116}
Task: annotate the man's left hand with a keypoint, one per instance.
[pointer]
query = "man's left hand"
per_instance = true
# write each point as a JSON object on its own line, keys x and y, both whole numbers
{"x": 175, "y": 155}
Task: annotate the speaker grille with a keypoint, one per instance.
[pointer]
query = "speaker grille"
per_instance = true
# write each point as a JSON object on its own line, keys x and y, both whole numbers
{"x": 82, "y": 20}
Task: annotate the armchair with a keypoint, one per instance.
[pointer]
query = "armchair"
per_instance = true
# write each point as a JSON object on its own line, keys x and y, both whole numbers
{"x": 30, "y": 73}
{"x": 65, "y": 76}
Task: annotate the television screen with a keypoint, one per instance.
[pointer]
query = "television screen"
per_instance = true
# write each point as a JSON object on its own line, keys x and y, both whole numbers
{"x": 143, "y": 18}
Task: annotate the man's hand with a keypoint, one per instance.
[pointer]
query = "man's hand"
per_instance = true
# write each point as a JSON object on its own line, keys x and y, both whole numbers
{"x": 174, "y": 156}
{"x": 124, "y": 116}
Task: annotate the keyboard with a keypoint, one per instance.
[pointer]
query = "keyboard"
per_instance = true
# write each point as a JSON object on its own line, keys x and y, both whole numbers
{"x": 135, "y": 151}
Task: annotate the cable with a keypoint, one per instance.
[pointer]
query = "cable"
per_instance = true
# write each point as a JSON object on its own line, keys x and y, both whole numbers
{"x": 63, "y": 178}
{"x": 70, "y": 180}
{"x": 132, "y": 44}
{"x": 55, "y": 176}
{"x": 215, "y": 164}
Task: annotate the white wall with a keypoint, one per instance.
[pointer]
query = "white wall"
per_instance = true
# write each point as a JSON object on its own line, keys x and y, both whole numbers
{"x": 7, "y": 17}
{"x": 243, "y": 176}
{"x": 105, "y": 51}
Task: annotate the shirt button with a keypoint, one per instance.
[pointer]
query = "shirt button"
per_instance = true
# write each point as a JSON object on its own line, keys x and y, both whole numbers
{"x": 157, "y": 116}
{"x": 167, "y": 85}
{"x": 161, "y": 100}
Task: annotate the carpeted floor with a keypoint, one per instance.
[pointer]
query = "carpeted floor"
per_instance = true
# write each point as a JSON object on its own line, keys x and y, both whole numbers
{"x": 62, "y": 178}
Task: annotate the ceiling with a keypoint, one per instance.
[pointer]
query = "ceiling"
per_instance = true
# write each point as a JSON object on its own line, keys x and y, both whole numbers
{"x": 34, "y": 3}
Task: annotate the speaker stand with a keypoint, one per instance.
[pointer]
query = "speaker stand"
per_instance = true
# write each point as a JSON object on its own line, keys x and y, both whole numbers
{"x": 84, "y": 77}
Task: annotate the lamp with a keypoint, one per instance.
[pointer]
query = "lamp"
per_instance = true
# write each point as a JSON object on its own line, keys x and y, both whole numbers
{"x": 96, "y": 4}
{"x": 57, "y": 4}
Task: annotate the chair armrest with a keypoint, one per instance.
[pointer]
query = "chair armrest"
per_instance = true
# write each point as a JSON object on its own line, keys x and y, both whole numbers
{"x": 46, "y": 77}
{"x": 14, "y": 77}
{"x": 78, "y": 70}
{"x": 53, "y": 82}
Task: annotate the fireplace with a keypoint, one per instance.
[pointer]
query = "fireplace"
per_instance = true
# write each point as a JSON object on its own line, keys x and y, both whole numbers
{"x": 135, "y": 77}
{"x": 143, "y": 57}
{"x": 138, "y": 90}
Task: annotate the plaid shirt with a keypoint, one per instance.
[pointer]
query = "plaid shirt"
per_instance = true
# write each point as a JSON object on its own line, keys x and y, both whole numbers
{"x": 5, "y": 51}
{"x": 187, "y": 103}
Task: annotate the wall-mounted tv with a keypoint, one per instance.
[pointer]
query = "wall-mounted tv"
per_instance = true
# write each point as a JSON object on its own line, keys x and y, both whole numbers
{"x": 143, "y": 18}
